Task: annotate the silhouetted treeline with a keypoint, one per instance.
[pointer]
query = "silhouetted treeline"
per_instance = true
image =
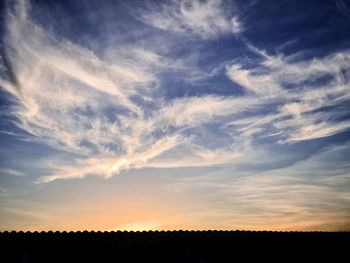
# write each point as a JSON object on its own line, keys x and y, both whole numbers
{"x": 175, "y": 246}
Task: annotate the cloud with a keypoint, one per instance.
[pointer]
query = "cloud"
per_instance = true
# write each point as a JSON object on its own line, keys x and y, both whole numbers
{"x": 206, "y": 19}
{"x": 291, "y": 197}
{"x": 307, "y": 93}
{"x": 11, "y": 172}
{"x": 111, "y": 111}
{"x": 256, "y": 83}
{"x": 103, "y": 108}
{"x": 196, "y": 110}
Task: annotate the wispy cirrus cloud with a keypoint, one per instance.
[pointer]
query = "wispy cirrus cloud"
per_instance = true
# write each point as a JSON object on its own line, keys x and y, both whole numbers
{"x": 282, "y": 199}
{"x": 206, "y": 19}
{"x": 107, "y": 111}
{"x": 310, "y": 93}
{"x": 111, "y": 110}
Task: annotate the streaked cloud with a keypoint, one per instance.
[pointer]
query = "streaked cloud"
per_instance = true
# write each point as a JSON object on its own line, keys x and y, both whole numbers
{"x": 291, "y": 197}
{"x": 300, "y": 113}
{"x": 11, "y": 172}
{"x": 206, "y": 19}
{"x": 111, "y": 113}
{"x": 109, "y": 106}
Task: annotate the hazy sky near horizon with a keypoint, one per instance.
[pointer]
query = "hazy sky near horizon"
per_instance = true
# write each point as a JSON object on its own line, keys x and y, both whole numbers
{"x": 177, "y": 114}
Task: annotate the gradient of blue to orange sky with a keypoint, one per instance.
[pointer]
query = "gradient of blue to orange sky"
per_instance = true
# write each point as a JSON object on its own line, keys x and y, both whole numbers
{"x": 188, "y": 114}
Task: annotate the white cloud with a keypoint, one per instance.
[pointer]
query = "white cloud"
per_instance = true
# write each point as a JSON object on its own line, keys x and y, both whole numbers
{"x": 11, "y": 172}
{"x": 304, "y": 131}
{"x": 195, "y": 110}
{"x": 196, "y": 156}
{"x": 206, "y": 19}
{"x": 109, "y": 108}
{"x": 262, "y": 84}
{"x": 299, "y": 114}
{"x": 74, "y": 100}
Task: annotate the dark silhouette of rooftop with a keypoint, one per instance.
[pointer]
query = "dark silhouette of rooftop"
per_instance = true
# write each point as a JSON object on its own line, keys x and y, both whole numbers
{"x": 174, "y": 246}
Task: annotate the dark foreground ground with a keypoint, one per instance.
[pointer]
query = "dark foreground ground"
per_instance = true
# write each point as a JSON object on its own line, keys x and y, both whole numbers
{"x": 176, "y": 246}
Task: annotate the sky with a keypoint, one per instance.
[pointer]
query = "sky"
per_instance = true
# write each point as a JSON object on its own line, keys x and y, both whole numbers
{"x": 174, "y": 114}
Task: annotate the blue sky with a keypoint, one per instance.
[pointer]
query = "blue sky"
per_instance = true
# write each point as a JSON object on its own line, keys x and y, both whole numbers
{"x": 175, "y": 114}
